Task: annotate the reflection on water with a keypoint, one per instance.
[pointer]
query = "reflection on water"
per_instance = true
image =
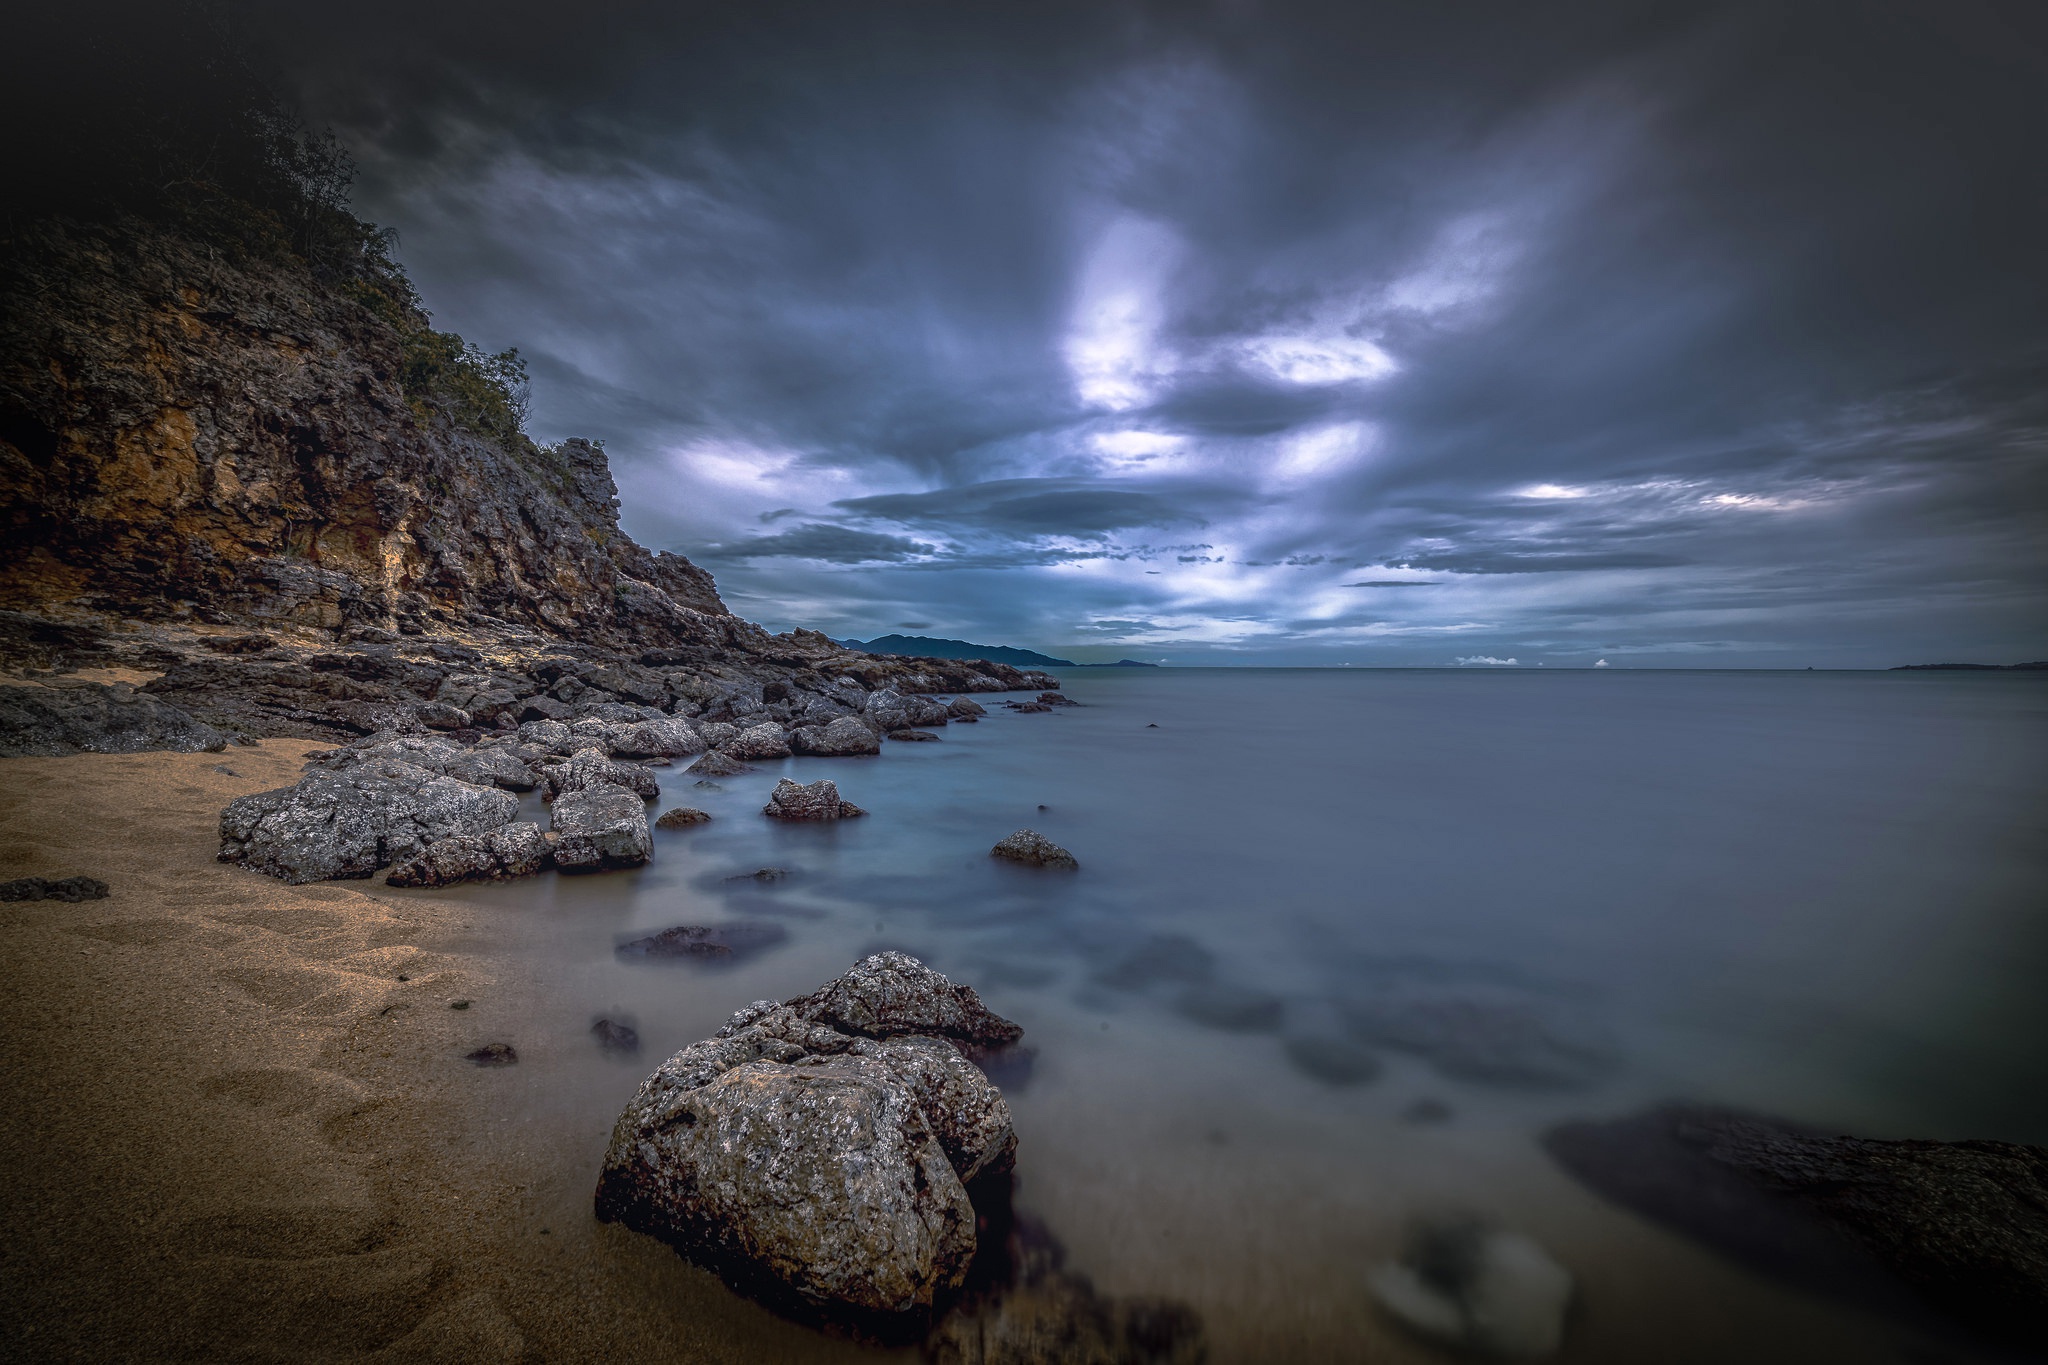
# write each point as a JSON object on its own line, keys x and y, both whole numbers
{"x": 1344, "y": 944}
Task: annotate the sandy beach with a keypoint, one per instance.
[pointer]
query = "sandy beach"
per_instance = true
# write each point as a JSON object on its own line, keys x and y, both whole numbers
{"x": 239, "y": 1125}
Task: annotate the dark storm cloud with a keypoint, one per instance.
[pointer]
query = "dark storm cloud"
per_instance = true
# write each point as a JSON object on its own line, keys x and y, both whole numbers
{"x": 814, "y": 540}
{"x": 1030, "y": 507}
{"x": 1693, "y": 328}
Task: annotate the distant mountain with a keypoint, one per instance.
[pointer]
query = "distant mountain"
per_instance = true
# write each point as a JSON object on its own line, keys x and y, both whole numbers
{"x": 925, "y": 647}
{"x": 1972, "y": 668}
{"x": 1120, "y": 663}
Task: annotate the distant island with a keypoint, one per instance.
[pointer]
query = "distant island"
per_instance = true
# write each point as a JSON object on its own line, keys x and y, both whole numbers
{"x": 925, "y": 647}
{"x": 1972, "y": 668}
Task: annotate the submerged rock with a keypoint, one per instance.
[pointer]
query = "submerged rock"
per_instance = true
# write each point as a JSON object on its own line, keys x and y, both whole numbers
{"x": 72, "y": 889}
{"x": 1034, "y": 849}
{"x": 601, "y": 827}
{"x": 1965, "y": 1224}
{"x": 616, "y": 1038}
{"x": 1478, "y": 1289}
{"x": 713, "y": 943}
{"x": 493, "y": 1054}
{"x": 682, "y": 817}
{"x": 1027, "y": 1308}
{"x": 96, "y": 719}
{"x": 912, "y": 736}
{"x": 821, "y": 1170}
{"x": 1479, "y": 1034}
{"x": 842, "y": 738}
{"x": 352, "y": 821}
{"x": 816, "y": 801}
{"x": 517, "y": 850}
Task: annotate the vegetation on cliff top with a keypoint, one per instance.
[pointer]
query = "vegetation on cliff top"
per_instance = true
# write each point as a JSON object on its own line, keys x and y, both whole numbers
{"x": 161, "y": 117}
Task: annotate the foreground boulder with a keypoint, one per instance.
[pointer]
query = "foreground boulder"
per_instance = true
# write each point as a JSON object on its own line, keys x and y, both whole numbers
{"x": 817, "y": 801}
{"x": 517, "y": 850}
{"x": 822, "y": 1169}
{"x": 351, "y": 821}
{"x": 843, "y": 738}
{"x": 1965, "y": 1224}
{"x": 93, "y": 719}
{"x": 1034, "y": 850}
{"x": 762, "y": 741}
{"x": 600, "y": 827}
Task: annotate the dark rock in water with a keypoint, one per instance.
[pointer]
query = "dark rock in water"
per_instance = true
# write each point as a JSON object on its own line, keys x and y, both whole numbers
{"x": 601, "y": 827}
{"x": 1233, "y": 1009}
{"x": 845, "y": 737}
{"x": 822, "y": 1171}
{"x": 493, "y": 1054}
{"x": 1055, "y": 699}
{"x": 1476, "y": 1034}
{"x": 912, "y": 736}
{"x": 707, "y": 785}
{"x": 681, "y": 818}
{"x": 350, "y": 820}
{"x": 1028, "y": 707}
{"x": 590, "y": 768}
{"x": 1476, "y": 1289}
{"x": 965, "y": 708}
{"x": 1033, "y": 849}
{"x": 708, "y": 943}
{"x": 715, "y": 764}
{"x": 760, "y": 874}
{"x": 72, "y": 889}
{"x": 616, "y": 1038}
{"x": 966, "y": 720}
{"x": 517, "y": 850}
{"x": 95, "y": 719}
{"x": 1965, "y": 1224}
{"x": 1160, "y": 958}
{"x": 817, "y": 801}
{"x": 1334, "y": 1061}
{"x": 1427, "y": 1110}
{"x": 1152, "y": 725}
{"x": 1024, "y": 1307}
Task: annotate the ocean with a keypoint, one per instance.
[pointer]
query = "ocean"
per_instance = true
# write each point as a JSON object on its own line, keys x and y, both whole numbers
{"x": 1344, "y": 943}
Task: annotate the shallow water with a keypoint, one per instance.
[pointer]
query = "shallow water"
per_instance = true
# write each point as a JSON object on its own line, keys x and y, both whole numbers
{"x": 1344, "y": 943}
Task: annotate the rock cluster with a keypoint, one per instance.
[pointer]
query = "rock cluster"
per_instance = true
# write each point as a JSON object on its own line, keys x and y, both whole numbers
{"x": 818, "y": 1152}
{"x": 96, "y": 719}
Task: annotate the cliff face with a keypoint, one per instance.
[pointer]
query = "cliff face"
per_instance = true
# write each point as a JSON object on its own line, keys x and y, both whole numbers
{"x": 187, "y": 434}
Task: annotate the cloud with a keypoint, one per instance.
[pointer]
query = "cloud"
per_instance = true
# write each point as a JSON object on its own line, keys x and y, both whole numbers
{"x": 817, "y": 540}
{"x": 1487, "y": 661}
{"x": 993, "y": 301}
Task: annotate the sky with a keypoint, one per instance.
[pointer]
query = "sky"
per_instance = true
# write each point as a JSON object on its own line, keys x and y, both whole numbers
{"x": 1498, "y": 335}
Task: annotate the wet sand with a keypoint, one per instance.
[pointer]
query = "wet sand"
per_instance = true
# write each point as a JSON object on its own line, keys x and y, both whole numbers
{"x": 232, "y": 1132}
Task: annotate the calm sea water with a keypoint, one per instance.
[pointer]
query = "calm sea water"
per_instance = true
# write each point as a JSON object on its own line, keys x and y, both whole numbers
{"x": 1343, "y": 943}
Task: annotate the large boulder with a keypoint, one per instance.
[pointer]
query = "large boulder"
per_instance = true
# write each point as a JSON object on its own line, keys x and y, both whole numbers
{"x": 842, "y": 738}
{"x": 589, "y": 768}
{"x": 517, "y": 850}
{"x": 351, "y": 821}
{"x": 599, "y": 827}
{"x": 480, "y": 767}
{"x": 94, "y": 719}
{"x": 886, "y": 995}
{"x": 821, "y": 1170}
{"x": 814, "y": 801}
{"x": 765, "y": 740}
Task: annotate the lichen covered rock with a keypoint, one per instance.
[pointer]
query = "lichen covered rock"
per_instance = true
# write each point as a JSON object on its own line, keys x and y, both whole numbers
{"x": 816, "y": 801}
{"x": 352, "y": 821}
{"x": 599, "y": 827}
{"x": 1033, "y": 849}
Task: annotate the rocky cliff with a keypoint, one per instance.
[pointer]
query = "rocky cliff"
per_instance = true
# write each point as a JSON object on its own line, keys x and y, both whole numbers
{"x": 192, "y": 433}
